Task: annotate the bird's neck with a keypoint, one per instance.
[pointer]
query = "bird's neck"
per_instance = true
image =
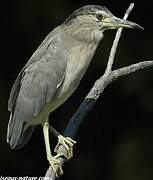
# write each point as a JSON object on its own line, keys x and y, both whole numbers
{"x": 82, "y": 33}
{"x": 80, "y": 44}
{"x": 80, "y": 49}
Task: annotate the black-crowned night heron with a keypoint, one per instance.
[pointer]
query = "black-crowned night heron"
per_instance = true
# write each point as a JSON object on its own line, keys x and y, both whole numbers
{"x": 54, "y": 71}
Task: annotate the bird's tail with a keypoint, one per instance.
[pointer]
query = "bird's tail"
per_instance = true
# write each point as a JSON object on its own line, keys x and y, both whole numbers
{"x": 16, "y": 136}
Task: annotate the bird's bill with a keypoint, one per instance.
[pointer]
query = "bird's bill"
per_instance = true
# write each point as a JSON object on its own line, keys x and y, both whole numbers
{"x": 116, "y": 23}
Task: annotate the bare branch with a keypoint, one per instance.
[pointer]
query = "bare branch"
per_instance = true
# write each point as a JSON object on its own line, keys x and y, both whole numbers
{"x": 132, "y": 68}
{"x": 99, "y": 86}
{"x": 96, "y": 91}
{"x": 116, "y": 41}
{"x": 51, "y": 174}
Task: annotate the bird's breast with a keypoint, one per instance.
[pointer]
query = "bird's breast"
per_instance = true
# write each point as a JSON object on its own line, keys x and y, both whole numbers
{"x": 78, "y": 60}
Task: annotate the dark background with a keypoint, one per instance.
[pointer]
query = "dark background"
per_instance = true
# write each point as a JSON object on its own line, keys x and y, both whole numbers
{"x": 115, "y": 141}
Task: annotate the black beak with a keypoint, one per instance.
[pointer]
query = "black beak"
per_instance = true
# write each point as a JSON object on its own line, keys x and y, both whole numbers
{"x": 121, "y": 23}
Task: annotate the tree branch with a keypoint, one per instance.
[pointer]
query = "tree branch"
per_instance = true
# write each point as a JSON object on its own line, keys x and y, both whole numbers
{"x": 99, "y": 86}
{"x": 116, "y": 41}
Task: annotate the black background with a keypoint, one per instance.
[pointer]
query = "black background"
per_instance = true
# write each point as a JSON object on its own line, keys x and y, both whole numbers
{"x": 115, "y": 141}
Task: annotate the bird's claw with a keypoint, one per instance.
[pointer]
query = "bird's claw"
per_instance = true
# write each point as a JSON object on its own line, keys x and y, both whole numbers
{"x": 56, "y": 164}
{"x": 68, "y": 143}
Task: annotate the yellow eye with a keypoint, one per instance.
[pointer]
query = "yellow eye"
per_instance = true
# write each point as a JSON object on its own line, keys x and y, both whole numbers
{"x": 100, "y": 16}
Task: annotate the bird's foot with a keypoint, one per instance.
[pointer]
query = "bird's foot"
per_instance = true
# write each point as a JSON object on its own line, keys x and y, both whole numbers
{"x": 56, "y": 164}
{"x": 68, "y": 143}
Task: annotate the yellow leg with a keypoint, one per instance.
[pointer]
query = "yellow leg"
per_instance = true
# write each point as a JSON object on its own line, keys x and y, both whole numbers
{"x": 53, "y": 160}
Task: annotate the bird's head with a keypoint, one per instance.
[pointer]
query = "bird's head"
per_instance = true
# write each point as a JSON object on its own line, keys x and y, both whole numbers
{"x": 94, "y": 19}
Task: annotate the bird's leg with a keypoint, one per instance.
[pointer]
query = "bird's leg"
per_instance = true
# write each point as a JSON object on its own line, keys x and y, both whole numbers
{"x": 53, "y": 160}
{"x": 67, "y": 142}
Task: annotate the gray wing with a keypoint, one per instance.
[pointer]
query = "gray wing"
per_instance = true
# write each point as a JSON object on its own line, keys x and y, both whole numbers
{"x": 35, "y": 86}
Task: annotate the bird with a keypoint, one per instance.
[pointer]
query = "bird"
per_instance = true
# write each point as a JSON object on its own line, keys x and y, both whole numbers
{"x": 54, "y": 72}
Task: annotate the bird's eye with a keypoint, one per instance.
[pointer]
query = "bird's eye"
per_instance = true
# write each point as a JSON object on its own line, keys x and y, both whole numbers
{"x": 100, "y": 16}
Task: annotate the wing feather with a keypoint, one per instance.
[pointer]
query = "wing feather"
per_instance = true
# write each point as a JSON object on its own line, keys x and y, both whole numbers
{"x": 35, "y": 86}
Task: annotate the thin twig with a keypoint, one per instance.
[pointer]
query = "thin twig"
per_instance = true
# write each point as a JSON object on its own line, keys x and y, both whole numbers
{"x": 116, "y": 41}
{"x": 99, "y": 86}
